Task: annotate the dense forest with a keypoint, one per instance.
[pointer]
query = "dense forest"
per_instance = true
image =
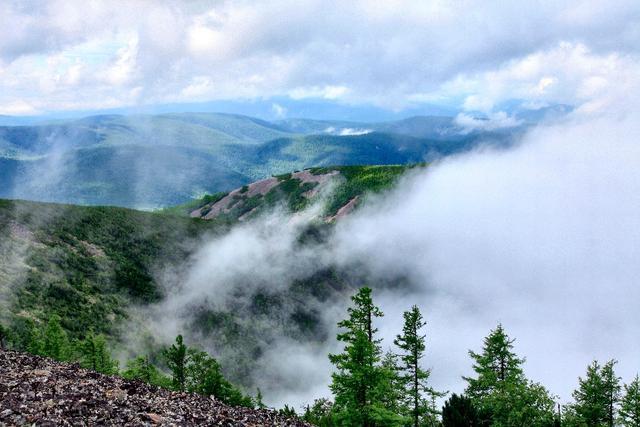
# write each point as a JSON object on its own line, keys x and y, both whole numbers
{"x": 371, "y": 387}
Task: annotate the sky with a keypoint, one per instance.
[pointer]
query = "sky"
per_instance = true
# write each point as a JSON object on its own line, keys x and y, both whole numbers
{"x": 396, "y": 55}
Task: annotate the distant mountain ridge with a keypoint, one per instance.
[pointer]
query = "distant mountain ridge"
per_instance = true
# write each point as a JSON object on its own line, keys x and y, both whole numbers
{"x": 149, "y": 161}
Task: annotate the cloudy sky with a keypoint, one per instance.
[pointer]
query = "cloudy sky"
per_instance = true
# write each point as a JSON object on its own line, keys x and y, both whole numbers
{"x": 62, "y": 55}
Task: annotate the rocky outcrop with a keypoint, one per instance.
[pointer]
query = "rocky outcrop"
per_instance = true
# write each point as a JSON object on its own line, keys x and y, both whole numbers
{"x": 39, "y": 391}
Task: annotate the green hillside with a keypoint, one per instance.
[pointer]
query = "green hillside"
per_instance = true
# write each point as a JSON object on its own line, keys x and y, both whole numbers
{"x": 92, "y": 265}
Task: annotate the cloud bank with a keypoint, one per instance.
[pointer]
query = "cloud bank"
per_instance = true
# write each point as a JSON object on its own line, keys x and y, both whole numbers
{"x": 66, "y": 55}
{"x": 541, "y": 237}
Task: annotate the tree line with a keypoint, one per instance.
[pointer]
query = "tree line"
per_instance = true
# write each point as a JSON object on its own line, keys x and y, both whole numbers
{"x": 371, "y": 387}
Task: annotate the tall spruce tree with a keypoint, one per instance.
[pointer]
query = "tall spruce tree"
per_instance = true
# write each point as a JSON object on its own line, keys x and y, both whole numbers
{"x": 630, "y": 404}
{"x": 501, "y": 392}
{"x": 360, "y": 383}
{"x": 176, "y": 360}
{"x": 418, "y": 395}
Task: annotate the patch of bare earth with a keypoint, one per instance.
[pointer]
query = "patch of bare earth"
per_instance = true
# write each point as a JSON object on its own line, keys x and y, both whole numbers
{"x": 262, "y": 187}
{"x": 345, "y": 210}
{"x": 38, "y": 391}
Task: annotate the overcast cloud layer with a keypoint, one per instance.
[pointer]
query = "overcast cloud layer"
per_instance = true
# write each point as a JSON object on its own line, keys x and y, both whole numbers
{"x": 67, "y": 54}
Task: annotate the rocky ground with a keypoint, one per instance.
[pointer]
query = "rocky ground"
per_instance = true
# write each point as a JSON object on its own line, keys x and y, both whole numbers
{"x": 40, "y": 391}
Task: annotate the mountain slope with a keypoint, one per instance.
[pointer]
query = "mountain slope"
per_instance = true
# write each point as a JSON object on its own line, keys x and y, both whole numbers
{"x": 82, "y": 397}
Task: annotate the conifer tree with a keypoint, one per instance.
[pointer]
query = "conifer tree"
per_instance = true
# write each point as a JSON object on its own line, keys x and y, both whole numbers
{"x": 393, "y": 400}
{"x": 55, "y": 343}
{"x": 259, "y": 399}
{"x": 142, "y": 369}
{"x": 360, "y": 382}
{"x": 176, "y": 359}
{"x": 597, "y": 396}
{"x": 320, "y": 413}
{"x": 95, "y": 355}
{"x": 630, "y": 404}
{"x": 458, "y": 411}
{"x": 501, "y": 392}
{"x": 418, "y": 394}
{"x": 612, "y": 389}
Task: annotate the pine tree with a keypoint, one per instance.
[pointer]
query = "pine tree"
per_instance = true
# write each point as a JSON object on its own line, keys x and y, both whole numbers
{"x": 259, "y": 399}
{"x": 630, "y": 404}
{"x": 360, "y": 382}
{"x": 320, "y": 413}
{"x": 176, "y": 359}
{"x": 501, "y": 392}
{"x": 142, "y": 369}
{"x": 597, "y": 396}
{"x": 418, "y": 394}
{"x": 459, "y": 411}
{"x": 95, "y": 355}
{"x": 55, "y": 343}
{"x": 393, "y": 399}
{"x": 612, "y": 389}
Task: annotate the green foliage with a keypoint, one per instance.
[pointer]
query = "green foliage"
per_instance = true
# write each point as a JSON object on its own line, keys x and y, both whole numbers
{"x": 203, "y": 375}
{"x": 88, "y": 264}
{"x": 630, "y": 404}
{"x": 360, "y": 181}
{"x": 501, "y": 392}
{"x": 176, "y": 359}
{"x": 597, "y": 396}
{"x": 288, "y": 411}
{"x": 55, "y": 343}
{"x": 258, "y": 399}
{"x": 95, "y": 355}
{"x": 360, "y": 383}
{"x": 418, "y": 395}
{"x": 186, "y": 208}
{"x": 458, "y": 411}
{"x": 142, "y": 369}
{"x": 320, "y": 413}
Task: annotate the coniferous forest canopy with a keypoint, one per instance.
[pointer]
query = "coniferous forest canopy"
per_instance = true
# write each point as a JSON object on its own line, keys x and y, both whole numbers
{"x": 359, "y": 214}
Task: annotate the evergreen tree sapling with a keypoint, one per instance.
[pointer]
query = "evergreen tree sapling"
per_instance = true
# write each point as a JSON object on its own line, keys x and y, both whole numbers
{"x": 55, "y": 343}
{"x": 501, "y": 392}
{"x": 94, "y": 355}
{"x": 418, "y": 395}
{"x": 176, "y": 360}
{"x": 142, "y": 369}
{"x": 630, "y": 404}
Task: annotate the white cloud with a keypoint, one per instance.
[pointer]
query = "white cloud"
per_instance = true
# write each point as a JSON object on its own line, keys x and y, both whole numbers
{"x": 390, "y": 55}
{"x": 499, "y": 120}
{"x": 278, "y": 110}
{"x": 541, "y": 237}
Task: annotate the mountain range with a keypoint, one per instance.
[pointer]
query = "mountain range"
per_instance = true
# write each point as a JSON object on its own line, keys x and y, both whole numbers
{"x": 151, "y": 161}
